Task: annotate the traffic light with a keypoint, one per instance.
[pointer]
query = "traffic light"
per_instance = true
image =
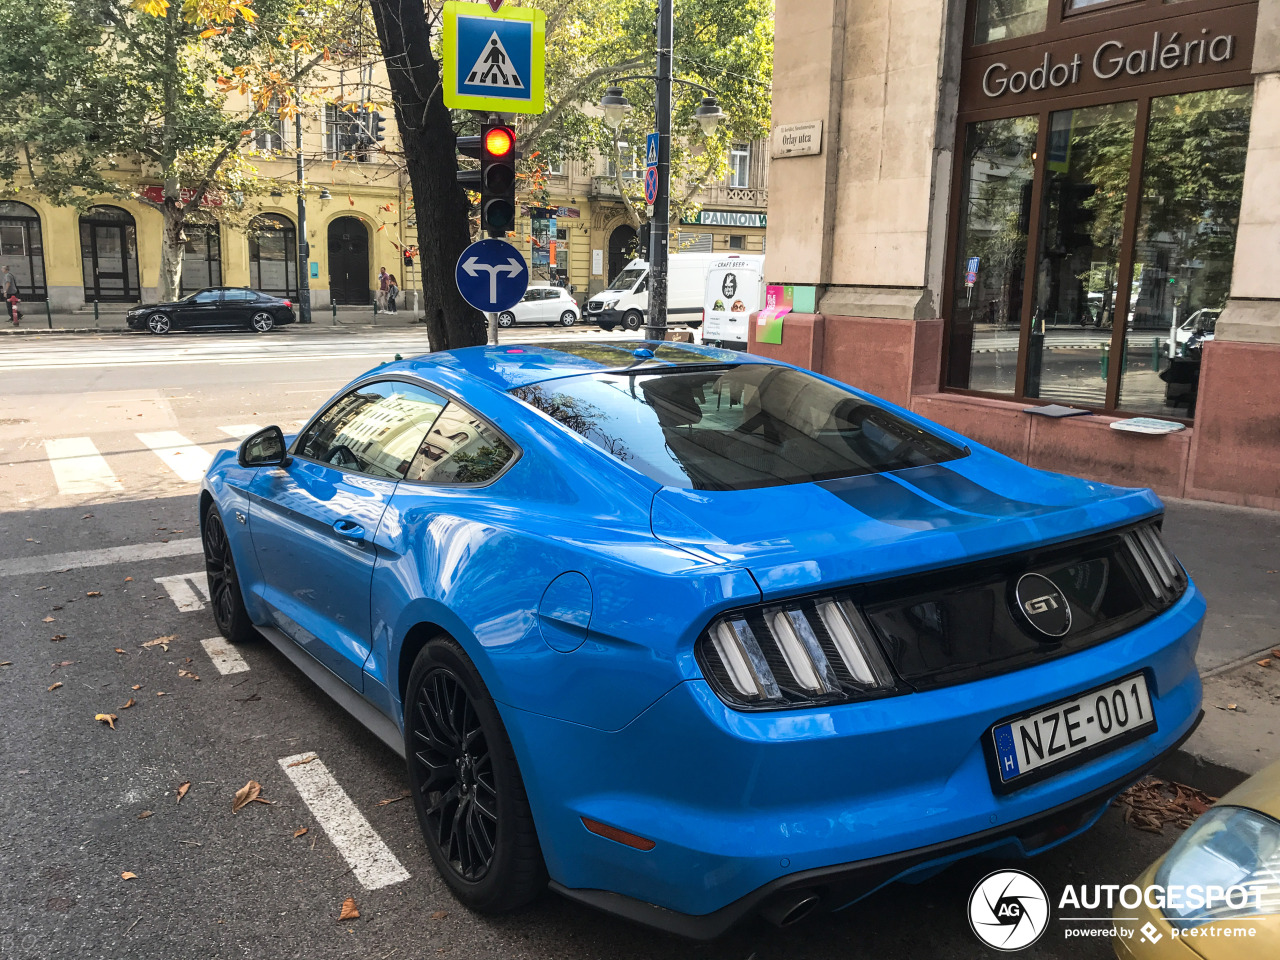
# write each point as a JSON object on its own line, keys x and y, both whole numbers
{"x": 377, "y": 125}
{"x": 497, "y": 178}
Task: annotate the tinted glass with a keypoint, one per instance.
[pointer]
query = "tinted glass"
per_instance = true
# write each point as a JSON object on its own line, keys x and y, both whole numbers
{"x": 461, "y": 448}
{"x": 375, "y": 429}
{"x": 1078, "y": 289}
{"x": 1192, "y": 179}
{"x": 753, "y": 425}
{"x": 207, "y": 296}
{"x": 239, "y": 295}
{"x": 987, "y": 313}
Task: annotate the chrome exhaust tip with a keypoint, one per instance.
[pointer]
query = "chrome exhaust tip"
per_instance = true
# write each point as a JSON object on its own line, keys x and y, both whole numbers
{"x": 790, "y": 908}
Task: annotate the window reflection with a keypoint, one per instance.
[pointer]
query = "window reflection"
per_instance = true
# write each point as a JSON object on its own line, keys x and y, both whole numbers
{"x": 1077, "y": 283}
{"x": 1192, "y": 177}
{"x": 995, "y": 209}
{"x": 1004, "y": 19}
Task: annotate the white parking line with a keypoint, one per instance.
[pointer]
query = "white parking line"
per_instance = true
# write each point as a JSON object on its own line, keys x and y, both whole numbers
{"x": 78, "y": 559}
{"x": 79, "y": 468}
{"x": 238, "y": 431}
{"x": 179, "y": 454}
{"x": 183, "y": 589}
{"x": 224, "y": 656}
{"x": 371, "y": 860}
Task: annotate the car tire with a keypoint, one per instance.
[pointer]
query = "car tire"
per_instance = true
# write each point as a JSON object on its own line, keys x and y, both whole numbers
{"x": 633, "y": 321}
{"x": 606, "y": 327}
{"x": 159, "y": 323}
{"x": 262, "y": 321}
{"x": 506, "y": 319}
{"x": 466, "y": 785}
{"x": 568, "y": 318}
{"x": 225, "y": 596}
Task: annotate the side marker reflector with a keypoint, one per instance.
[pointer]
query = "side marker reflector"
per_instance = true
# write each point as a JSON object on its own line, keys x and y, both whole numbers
{"x": 620, "y": 836}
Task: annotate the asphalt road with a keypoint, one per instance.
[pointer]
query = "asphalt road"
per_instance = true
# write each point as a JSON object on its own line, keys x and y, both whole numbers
{"x": 81, "y": 803}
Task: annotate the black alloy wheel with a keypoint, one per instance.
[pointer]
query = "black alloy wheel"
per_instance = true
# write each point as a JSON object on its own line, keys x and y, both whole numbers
{"x": 229, "y": 612}
{"x": 263, "y": 321}
{"x": 159, "y": 323}
{"x": 466, "y": 785}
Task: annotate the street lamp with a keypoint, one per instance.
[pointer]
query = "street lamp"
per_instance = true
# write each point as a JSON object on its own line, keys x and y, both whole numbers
{"x": 615, "y": 107}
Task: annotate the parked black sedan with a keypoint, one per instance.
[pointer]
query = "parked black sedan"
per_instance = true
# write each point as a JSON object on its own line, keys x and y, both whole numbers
{"x": 214, "y": 307}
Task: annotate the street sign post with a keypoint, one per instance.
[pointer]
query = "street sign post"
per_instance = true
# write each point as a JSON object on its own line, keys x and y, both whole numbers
{"x": 651, "y": 168}
{"x": 492, "y": 275}
{"x": 494, "y": 59}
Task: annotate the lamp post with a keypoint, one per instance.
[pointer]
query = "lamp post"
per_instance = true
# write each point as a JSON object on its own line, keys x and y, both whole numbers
{"x": 616, "y": 107}
{"x": 304, "y": 248}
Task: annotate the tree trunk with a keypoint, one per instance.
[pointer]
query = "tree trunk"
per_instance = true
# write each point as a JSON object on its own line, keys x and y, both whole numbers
{"x": 172, "y": 251}
{"x": 430, "y": 150}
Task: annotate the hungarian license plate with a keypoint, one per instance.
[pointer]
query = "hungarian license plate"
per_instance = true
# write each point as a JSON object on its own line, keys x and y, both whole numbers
{"x": 1069, "y": 730}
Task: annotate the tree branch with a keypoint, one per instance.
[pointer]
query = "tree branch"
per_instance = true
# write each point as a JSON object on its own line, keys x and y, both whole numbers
{"x": 570, "y": 96}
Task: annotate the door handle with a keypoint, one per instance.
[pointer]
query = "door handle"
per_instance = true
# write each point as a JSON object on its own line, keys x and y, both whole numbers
{"x": 348, "y": 529}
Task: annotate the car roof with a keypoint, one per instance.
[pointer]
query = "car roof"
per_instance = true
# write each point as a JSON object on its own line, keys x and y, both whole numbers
{"x": 511, "y": 365}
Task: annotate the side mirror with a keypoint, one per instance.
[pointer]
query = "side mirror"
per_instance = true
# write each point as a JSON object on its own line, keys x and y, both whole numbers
{"x": 264, "y": 449}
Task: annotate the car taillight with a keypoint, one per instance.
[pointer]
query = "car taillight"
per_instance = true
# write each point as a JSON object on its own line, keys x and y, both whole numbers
{"x": 288, "y": 303}
{"x": 1160, "y": 571}
{"x": 781, "y": 656}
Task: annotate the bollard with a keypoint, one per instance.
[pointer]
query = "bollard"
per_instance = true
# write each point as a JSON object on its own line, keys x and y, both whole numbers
{"x": 1106, "y": 351}
{"x": 95, "y": 313}
{"x": 334, "y": 307}
{"x": 48, "y": 313}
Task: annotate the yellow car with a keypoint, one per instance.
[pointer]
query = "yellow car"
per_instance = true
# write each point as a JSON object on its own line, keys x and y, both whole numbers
{"x": 1216, "y": 894}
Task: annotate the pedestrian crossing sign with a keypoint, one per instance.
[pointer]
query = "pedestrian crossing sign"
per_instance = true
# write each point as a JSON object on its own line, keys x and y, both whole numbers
{"x": 494, "y": 60}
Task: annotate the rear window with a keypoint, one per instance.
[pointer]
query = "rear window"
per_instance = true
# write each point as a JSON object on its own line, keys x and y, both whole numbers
{"x": 735, "y": 428}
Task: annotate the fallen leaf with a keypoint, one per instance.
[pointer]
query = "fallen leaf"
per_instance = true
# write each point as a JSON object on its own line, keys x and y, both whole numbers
{"x": 182, "y": 790}
{"x": 58, "y": 637}
{"x": 128, "y": 579}
{"x": 50, "y": 619}
{"x": 55, "y": 686}
{"x": 246, "y": 795}
{"x": 1233, "y": 706}
{"x": 159, "y": 693}
{"x": 108, "y": 718}
{"x": 127, "y": 875}
{"x": 349, "y": 911}
{"x": 6, "y": 663}
{"x": 188, "y": 674}
{"x": 383, "y": 803}
{"x": 137, "y": 686}
{"x": 118, "y": 650}
{"x": 63, "y": 663}
{"x": 94, "y": 593}
{"x": 86, "y": 516}
{"x": 128, "y": 705}
{"x": 298, "y": 763}
{"x": 299, "y": 832}
{"x": 439, "y": 915}
{"x": 1275, "y": 653}
{"x": 144, "y": 814}
{"x": 161, "y": 642}
{"x": 1265, "y": 662}
{"x": 42, "y": 588}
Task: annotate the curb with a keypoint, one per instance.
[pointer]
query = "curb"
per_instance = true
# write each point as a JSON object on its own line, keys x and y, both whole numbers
{"x": 1213, "y": 778}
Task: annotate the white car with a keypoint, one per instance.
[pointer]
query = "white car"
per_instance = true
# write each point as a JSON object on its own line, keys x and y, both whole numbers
{"x": 543, "y": 305}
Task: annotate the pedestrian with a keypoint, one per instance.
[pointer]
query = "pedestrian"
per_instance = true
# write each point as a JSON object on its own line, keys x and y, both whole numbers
{"x": 9, "y": 288}
{"x": 393, "y": 291}
{"x": 383, "y": 280}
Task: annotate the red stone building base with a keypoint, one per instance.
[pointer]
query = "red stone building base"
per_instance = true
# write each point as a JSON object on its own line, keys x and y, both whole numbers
{"x": 1231, "y": 455}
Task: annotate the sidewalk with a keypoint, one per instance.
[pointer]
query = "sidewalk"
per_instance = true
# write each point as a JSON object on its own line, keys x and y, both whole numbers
{"x": 111, "y": 319}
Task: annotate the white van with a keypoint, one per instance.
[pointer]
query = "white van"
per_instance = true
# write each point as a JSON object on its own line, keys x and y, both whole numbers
{"x": 626, "y": 302}
{"x": 734, "y": 291}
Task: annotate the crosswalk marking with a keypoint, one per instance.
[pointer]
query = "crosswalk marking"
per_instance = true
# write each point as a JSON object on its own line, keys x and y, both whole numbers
{"x": 238, "y": 431}
{"x": 371, "y": 860}
{"x": 79, "y": 469}
{"x": 183, "y": 589}
{"x": 79, "y": 559}
{"x": 179, "y": 454}
{"x": 224, "y": 656}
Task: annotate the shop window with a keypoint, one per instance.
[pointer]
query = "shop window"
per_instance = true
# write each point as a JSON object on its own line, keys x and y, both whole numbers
{"x": 22, "y": 248}
{"x": 995, "y": 208}
{"x": 1005, "y": 19}
{"x": 273, "y": 255}
{"x": 202, "y": 259}
{"x": 1077, "y": 270}
{"x": 1192, "y": 177}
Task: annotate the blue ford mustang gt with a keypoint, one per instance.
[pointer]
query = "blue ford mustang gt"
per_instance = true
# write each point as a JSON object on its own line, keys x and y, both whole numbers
{"x": 687, "y": 634}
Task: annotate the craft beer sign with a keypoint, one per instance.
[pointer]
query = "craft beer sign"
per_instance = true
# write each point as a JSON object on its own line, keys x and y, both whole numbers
{"x": 1176, "y": 48}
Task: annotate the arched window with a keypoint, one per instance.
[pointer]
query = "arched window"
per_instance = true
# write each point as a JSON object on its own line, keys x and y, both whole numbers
{"x": 273, "y": 255}
{"x": 109, "y": 253}
{"x": 21, "y": 248}
{"x": 202, "y": 262}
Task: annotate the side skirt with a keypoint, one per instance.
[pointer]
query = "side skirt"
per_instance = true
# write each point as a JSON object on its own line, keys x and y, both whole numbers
{"x": 328, "y": 681}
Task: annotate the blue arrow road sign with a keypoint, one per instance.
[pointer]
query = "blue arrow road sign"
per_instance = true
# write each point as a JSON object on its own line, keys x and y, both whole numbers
{"x": 492, "y": 275}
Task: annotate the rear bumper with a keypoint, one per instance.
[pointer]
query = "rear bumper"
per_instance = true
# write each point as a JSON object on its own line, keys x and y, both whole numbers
{"x": 745, "y": 806}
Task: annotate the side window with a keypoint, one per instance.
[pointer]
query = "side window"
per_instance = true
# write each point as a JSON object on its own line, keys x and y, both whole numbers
{"x": 460, "y": 448}
{"x": 375, "y": 429}
{"x": 207, "y": 296}
{"x": 238, "y": 295}
{"x": 530, "y": 295}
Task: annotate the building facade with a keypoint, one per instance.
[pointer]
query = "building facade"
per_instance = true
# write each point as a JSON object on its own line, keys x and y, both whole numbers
{"x": 1007, "y": 204}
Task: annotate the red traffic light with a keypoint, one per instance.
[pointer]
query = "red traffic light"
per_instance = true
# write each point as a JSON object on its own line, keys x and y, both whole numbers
{"x": 499, "y": 141}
